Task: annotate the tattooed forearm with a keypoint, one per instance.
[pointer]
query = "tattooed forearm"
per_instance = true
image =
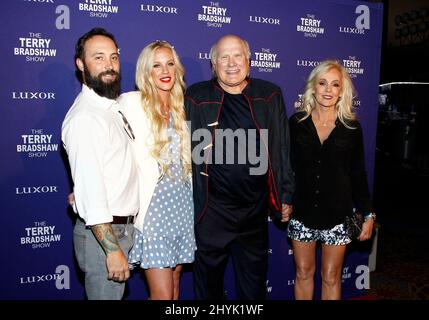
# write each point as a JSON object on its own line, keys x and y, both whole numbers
{"x": 105, "y": 236}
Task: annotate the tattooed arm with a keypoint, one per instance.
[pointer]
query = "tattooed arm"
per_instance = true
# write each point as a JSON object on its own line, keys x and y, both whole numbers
{"x": 116, "y": 262}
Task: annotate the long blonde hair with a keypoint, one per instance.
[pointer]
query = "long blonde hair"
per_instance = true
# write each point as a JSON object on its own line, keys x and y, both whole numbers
{"x": 151, "y": 104}
{"x": 344, "y": 107}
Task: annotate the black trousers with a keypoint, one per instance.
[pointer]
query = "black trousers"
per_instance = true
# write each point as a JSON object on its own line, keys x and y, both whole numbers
{"x": 236, "y": 231}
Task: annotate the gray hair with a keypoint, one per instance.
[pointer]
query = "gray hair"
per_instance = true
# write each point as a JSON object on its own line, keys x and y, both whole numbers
{"x": 214, "y": 53}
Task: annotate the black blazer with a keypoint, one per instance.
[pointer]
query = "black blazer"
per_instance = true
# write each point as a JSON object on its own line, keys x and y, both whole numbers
{"x": 329, "y": 178}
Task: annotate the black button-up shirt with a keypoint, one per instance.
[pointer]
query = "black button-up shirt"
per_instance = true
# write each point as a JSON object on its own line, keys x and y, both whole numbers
{"x": 330, "y": 178}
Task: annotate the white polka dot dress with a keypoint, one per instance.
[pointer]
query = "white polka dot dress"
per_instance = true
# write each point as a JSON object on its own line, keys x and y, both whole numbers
{"x": 168, "y": 230}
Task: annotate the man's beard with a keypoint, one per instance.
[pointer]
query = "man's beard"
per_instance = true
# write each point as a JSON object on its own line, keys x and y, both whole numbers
{"x": 110, "y": 90}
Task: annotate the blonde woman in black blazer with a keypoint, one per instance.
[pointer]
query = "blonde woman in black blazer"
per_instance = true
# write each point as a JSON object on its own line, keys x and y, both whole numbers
{"x": 328, "y": 160}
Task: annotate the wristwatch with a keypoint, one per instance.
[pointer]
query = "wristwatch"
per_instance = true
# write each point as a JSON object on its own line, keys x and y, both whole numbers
{"x": 369, "y": 216}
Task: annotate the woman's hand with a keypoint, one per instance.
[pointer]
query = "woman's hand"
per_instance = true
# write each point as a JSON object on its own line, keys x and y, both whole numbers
{"x": 70, "y": 199}
{"x": 367, "y": 227}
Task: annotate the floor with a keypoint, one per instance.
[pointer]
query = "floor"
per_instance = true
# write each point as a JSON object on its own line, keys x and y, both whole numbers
{"x": 402, "y": 264}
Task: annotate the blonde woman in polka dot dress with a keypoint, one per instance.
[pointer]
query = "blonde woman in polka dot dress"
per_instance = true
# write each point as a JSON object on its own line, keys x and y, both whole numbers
{"x": 164, "y": 238}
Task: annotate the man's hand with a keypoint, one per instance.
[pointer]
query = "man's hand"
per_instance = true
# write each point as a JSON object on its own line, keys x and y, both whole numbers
{"x": 117, "y": 266}
{"x": 116, "y": 262}
{"x": 286, "y": 212}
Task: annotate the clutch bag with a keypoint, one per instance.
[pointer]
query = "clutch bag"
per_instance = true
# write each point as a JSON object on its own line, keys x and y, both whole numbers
{"x": 354, "y": 224}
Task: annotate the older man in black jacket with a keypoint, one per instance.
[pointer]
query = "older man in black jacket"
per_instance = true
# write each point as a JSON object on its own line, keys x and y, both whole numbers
{"x": 241, "y": 171}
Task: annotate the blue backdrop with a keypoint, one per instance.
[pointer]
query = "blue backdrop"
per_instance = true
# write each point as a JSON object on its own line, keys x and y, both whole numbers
{"x": 287, "y": 39}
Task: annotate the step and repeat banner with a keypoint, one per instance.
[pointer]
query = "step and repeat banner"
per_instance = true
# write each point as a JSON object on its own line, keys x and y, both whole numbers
{"x": 39, "y": 84}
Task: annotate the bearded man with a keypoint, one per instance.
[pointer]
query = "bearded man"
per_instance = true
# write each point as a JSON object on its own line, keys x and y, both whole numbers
{"x": 97, "y": 137}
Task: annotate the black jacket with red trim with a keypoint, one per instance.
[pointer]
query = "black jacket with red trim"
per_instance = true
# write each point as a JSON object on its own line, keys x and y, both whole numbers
{"x": 203, "y": 103}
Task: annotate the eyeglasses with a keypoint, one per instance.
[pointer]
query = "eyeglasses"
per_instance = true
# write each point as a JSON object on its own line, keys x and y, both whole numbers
{"x": 127, "y": 127}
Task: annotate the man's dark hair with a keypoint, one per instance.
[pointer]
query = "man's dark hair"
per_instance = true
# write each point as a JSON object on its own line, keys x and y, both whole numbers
{"x": 91, "y": 33}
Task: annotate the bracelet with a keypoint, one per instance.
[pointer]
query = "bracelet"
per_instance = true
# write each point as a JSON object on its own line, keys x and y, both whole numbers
{"x": 370, "y": 215}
